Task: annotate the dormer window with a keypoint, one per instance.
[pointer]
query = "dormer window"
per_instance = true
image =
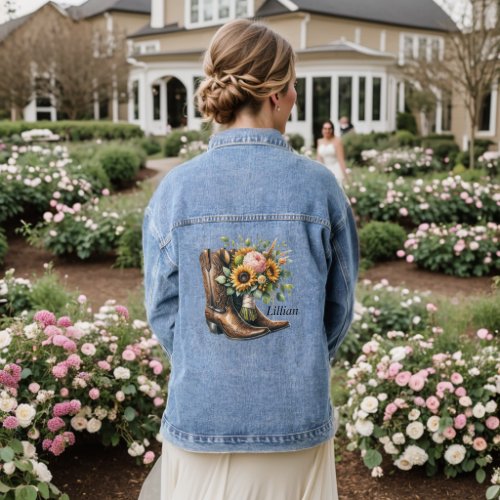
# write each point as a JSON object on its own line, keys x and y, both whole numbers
{"x": 210, "y": 12}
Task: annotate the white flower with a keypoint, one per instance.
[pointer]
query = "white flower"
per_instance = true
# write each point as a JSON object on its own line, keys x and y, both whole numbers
{"x": 474, "y": 372}
{"x": 369, "y": 404}
{"x": 361, "y": 388}
{"x": 455, "y": 454}
{"x": 377, "y": 472}
{"x": 120, "y": 396}
{"x": 5, "y": 338}
{"x": 136, "y": 449}
{"x": 25, "y": 414}
{"x": 41, "y": 471}
{"x": 467, "y": 440}
{"x": 364, "y": 427}
{"x": 438, "y": 438}
{"x": 382, "y": 396}
{"x": 433, "y": 423}
{"x": 403, "y": 463}
{"x": 415, "y": 455}
{"x": 479, "y": 410}
{"x": 390, "y": 449}
{"x": 415, "y": 430}
{"x": 79, "y": 423}
{"x": 465, "y": 401}
{"x": 490, "y": 407}
{"x": 94, "y": 425}
{"x": 29, "y": 450}
{"x": 384, "y": 439}
{"x": 414, "y": 414}
{"x": 7, "y": 404}
{"x": 34, "y": 433}
{"x": 399, "y": 438}
{"x": 121, "y": 372}
{"x": 397, "y": 353}
{"x": 9, "y": 468}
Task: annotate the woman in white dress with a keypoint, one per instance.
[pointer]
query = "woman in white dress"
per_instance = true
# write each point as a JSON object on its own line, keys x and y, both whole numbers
{"x": 331, "y": 152}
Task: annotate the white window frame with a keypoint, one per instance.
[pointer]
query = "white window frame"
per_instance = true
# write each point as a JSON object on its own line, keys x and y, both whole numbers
{"x": 216, "y": 19}
{"x": 141, "y": 48}
{"x": 493, "y": 114}
{"x": 415, "y": 40}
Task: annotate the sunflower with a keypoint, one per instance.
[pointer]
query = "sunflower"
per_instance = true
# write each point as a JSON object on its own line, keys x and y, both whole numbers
{"x": 272, "y": 271}
{"x": 239, "y": 255}
{"x": 243, "y": 278}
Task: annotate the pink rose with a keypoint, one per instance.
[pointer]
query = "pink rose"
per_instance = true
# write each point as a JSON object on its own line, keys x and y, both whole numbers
{"x": 10, "y": 422}
{"x": 55, "y": 423}
{"x": 256, "y": 261}
{"x": 449, "y": 433}
{"x": 456, "y": 378}
{"x": 122, "y": 311}
{"x": 479, "y": 444}
{"x": 158, "y": 401}
{"x": 94, "y": 393}
{"x": 482, "y": 333}
{"x": 416, "y": 383}
{"x": 148, "y": 458}
{"x": 460, "y": 421}
{"x": 64, "y": 392}
{"x": 128, "y": 355}
{"x": 104, "y": 365}
{"x": 419, "y": 401}
{"x": 64, "y": 321}
{"x": 402, "y": 378}
{"x": 34, "y": 387}
{"x": 391, "y": 408}
{"x": 431, "y": 308}
{"x": 394, "y": 369}
{"x": 432, "y": 403}
{"x": 461, "y": 391}
{"x": 59, "y": 370}
{"x": 410, "y": 259}
{"x": 46, "y": 318}
{"x": 492, "y": 423}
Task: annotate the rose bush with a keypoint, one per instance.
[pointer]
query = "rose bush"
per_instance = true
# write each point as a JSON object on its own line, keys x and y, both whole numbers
{"x": 422, "y": 406}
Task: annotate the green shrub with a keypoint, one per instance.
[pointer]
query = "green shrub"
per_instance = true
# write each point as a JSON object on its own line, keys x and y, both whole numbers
{"x": 380, "y": 241}
{"x": 405, "y": 138}
{"x": 49, "y": 293}
{"x": 406, "y": 121}
{"x": 129, "y": 249}
{"x": 94, "y": 172}
{"x": 296, "y": 141}
{"x": 354, "y": 144}
{"x": 443, "y": 147}
{"x": 176, "y": 139}
{"x": 151, "y": 145}
{"x": 120, "y": 163}
{"x": 486, "y": 312}
{"x": 4, "y": 247}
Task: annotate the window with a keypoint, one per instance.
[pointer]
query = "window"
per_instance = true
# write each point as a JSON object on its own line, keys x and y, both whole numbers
{"x": 446, "y": 111}
{"x": 301, "y": 99}
{"x": 135, "y": 99}
{"x": 361, "y": 98}
{"x": 216, "y": 11}
{"x": 420, "y": 47}
{"x": 322, "y": 92}
{"x": 377, "y": 98}
{"x": 484, "y": 121}
{"x": 435, "y": 50}
{"x": 156, "y": 101}
{"x": 345, "y": 96}
{"x": 408, "y": 47}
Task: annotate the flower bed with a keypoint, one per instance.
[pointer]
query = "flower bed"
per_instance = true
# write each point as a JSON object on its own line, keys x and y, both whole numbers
{"x": 419, "y": 405}
{"x": 413, "y": 202}
{"x": 60, "y": 378}
{"x": 459, "y": 250}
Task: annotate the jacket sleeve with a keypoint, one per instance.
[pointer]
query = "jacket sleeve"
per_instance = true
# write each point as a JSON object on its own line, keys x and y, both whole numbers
{"x": 341, "y": 282}
{"x": 161, "y": 285}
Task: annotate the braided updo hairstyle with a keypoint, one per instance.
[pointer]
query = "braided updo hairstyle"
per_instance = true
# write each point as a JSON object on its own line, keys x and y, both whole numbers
{"x": 245, "y": 63}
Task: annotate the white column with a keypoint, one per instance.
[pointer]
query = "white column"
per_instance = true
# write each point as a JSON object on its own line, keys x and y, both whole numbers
{"x": 157, "y": 13}
{"x": 369, "y": 102}
{"x": 439, "y": 113}
{"x": 493, "y": 108}
{"x": 334, "y": 98}
{"x": 145, "y": 103}
{"x": 401, "y": 97}
{"x": 383, "y": 35}
{"x": 96, "y": 105}
{"x": 355, "y": 100}
{"x": 309, "y": 111}
{"x": 163, "y": 104}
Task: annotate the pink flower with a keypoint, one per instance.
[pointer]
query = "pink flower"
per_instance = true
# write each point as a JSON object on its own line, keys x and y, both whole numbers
{"x": 69, "y": 346}
{"x": 432, "y": 403}
{"x": 51, "y": 330}
{"x": 482, "y": 333}
{"x": 158, "y": 401}
{"x": 419, "y": 401}
{"x": 74, "y": 406}
{"x": 58, "y": 445}
{"x": 104, "y": 365}
{"x": 402, "y": 378}
{"x": 148, "y": 458}
{"x": 403, "y": 211}
{"x": 391, "y": 408}
{"x": 456, "y": 378}
{"x": 128, "y": 355}
{"x": 449, "y": 433}
{"x": 442, "y": 387}
{"x": 59, "y": 340}
{"x": 431, "y": 308}
{"x": 82, "y": 299}
{"x": 256, "y": 261}
{"x": 94, "y": 393}
{"x": 400, "y": 253}
{"x": 61, "y": 409}
{"x": 105, "y": 192}
{"x": 64, "y": 321}
{"x": 10, "y": 422}
{"x": 60, "y": 370}
{"x": 88, "y": 349}
{"x": 410, "y": 258}
{"x": 46, "y": 444}
{"x": 479, "y": 444}
{"x": 73, "y": 332}
{"x": 74, "y": 360}
{"x": 460, "y": 421}
{"x": 156, "y": 366}
{"x": 492, "y": 423}
{"x": 64, "y": 392}
{"x": 394, "y": 369}
{"x": 461, "y": 391}
{"x": 59, "y": 217}
{"x": 34, "y": 387}
{"x": 416, "y": 383}
{"x": 69, "y": 437}
{"x": 55, "y": 423}
{"x": 44, "y": 317}
{"x": 122, "y": 311}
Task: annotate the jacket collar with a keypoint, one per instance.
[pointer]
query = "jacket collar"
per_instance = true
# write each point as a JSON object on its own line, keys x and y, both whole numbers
{"x": 238, "y": 136}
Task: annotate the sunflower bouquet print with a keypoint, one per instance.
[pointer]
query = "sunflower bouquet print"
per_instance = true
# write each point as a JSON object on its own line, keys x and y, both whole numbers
{"x": 235, "y": 277}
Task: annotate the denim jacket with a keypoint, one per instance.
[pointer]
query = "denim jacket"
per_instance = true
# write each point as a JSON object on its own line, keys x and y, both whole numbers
{"x": 250, "y": 262}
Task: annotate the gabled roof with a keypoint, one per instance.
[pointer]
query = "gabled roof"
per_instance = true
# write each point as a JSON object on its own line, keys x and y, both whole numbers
{"x": 424, "y": 14}
{"x": 95, "y": 7}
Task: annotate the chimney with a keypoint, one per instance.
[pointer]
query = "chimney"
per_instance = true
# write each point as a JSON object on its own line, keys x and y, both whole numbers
{"x": 157, "y": 13}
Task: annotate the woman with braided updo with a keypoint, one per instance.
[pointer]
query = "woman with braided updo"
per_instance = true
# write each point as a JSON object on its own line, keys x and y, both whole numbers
{"x": 250, "y": 265}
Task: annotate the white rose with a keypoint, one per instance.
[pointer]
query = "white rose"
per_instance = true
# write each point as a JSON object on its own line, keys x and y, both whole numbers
{"x": 360, "y": 414}
{"x": 5, "y": 338}
{"x": 34, "y": 433}
{"x": 403, "y": 463}
{"x": 414, "y": 414}
{"x": 42, "y": 472}
{"x": 364, "y": 427}
{"x": 397, "y": 353}
{"x": 382, "y": 396}
{"x": 479, "y": 410}
{"x": 384, "y": 439}
{"x": 79, "y": 423}
{"x": 399, "y": 438}
{"x": 94, "y": 425}
{"x": 136, "y": 449}
{"x": 455, "y": 454}
{"x": 9, "y": 468}
{"x": 361, "y": 388}
{"x": 369, "y": 404}
{"x": 416, "y": 455}
{"x": 467, "y": 439}
{"x": 377, "y": 472}
{"x": 31, "y": 331}
{"x": 474, "y": 372}
{"x": 390, "y": 449}
{"x": 28, "y": 449}
{"x": 25, "y": 414}
{"x": 120, "y": 396}
{"x": 490, "y": 407}
{"x": 433, "y": 423}
{"x": 7, "y": 404}
{"x": 121, "y": 372}
{"x": 465, "y": 401}
{"x": 415, "y": 430}
{"x": 438, "y": 438}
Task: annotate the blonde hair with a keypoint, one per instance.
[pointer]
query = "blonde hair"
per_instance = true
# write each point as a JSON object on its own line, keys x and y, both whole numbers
{"x": 245, "y": 63}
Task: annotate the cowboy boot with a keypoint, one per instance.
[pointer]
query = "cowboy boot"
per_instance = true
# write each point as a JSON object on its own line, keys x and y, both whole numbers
{"x": 263, "y": 321}
{"x": 220, "y": 313}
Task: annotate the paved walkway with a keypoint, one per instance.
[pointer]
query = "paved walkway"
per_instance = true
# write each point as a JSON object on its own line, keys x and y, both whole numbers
{"x": 162, "y": 166}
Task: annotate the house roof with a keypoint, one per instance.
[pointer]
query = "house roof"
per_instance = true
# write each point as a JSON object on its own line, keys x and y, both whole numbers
{"x": 95, "y": 7}
{"x": 346, "y": 46}
{"x": 148, "y": 30}
{"x": 424, "y": 14}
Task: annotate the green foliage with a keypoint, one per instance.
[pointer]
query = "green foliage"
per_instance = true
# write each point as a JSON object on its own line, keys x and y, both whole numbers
{"x": 443, "y": 147}
{"x": 129, "y": 249}
{"x": 405, "y": 138}
{"x": 354, "y": 144}
{"x": 121, "y": 164}
{"x": 94, "y": 172}
{"x": 49, "y": 293}
{"x": 74, "y": 130}
{"x": 406, "y": 121}
{"x": 379, "y": 241}
{"x": 151, "y": 145}
{"x": 296, "y": 141}
{"x": 176, "y": 139}
{"x": 485, "y": 312}
{"x": 15, "y": 295}
{"x": 4, "y": 246}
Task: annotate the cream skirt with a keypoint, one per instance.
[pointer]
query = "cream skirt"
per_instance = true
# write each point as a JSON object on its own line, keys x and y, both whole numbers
{"x": 299, "y": 475}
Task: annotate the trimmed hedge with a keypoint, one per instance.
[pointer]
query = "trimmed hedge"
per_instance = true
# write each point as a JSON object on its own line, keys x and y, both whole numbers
{"x": 379, "y": 241}
{"x": 121, "y": 164}
{"x": 406, "y": 121}
{"x": 176, "y": 139}
{"x": 75, "y": 130}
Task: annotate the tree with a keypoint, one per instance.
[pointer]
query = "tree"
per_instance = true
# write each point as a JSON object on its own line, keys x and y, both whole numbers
{"x": 469, "y": 64}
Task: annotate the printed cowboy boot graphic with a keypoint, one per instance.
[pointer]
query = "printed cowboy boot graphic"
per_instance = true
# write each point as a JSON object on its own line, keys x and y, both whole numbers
{"x": 261, "y": 319}
{"x": 220, "y": 313}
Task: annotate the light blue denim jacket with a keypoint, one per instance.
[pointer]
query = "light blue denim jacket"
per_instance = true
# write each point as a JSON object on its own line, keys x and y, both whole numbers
{"x": 269, "y": 393}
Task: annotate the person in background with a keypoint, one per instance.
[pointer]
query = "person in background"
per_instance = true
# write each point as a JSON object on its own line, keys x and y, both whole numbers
{"x": 330, "y": 152}
{"x": 345, "y": 126}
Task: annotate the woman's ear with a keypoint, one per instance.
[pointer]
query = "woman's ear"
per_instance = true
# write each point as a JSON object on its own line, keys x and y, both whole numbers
{"x": 275, "y": 100}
